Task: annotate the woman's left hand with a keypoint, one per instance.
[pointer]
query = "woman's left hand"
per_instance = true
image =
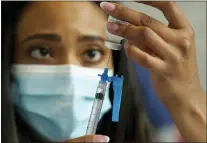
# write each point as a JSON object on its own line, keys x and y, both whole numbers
{"x": 168, "y": 52}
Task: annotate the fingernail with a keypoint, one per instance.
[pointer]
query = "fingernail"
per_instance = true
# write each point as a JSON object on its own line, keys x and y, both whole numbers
{"x": 101, "y": 139}
{"x": 112, "y": 26}
{"x": 106, "y": 6}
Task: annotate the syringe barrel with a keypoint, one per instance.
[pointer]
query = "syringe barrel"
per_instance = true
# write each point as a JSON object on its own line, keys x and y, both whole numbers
{"x": 96, "y": 109}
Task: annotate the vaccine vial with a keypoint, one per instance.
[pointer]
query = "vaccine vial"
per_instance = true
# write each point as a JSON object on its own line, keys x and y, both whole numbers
{"x": 114, "y": 42}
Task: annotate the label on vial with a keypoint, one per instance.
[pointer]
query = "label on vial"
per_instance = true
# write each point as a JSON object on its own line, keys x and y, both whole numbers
{"x": 111, "y": 37}
{"x": 114, "y": 41}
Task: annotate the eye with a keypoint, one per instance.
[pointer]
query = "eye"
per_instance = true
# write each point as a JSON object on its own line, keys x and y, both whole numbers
{"x": 42, "y": 52}
{"x": 92, "y": 55}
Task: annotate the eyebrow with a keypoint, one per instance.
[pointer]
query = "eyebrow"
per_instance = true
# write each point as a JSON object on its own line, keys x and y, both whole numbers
{"x": 53, "y": 37}
{"x": 90, "y": 38}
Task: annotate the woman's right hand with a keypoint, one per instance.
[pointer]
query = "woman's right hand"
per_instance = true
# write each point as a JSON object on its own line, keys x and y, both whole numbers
{"x": 90, "y": 138}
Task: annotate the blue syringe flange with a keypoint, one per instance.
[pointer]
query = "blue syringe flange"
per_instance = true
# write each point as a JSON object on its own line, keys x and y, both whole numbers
{"x": 117, "y": 87}
{"x": 104, "y": 76}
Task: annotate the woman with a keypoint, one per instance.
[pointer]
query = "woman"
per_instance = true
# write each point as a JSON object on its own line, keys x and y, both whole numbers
{"x": 175, "y": 54}
{"x": 64, "y": 34}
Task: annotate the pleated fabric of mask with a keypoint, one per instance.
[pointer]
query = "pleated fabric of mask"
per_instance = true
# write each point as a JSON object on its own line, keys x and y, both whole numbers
{"x": 56, "y": 101}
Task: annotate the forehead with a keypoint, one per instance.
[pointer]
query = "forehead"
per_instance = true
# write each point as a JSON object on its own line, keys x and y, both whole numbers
{"x": 81, "y": 17}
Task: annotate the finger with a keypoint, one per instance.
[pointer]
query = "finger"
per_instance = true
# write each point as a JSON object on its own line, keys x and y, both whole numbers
{"x": 152, "y": 63}
{"x": 90, "y": 138}
{"x": 172, "y": 13}
{"x": 136, "y": 18}
{"x": 143, "y": 35}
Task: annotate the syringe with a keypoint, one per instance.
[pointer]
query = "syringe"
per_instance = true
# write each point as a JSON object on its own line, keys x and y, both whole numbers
{"x": 96, "y": 109}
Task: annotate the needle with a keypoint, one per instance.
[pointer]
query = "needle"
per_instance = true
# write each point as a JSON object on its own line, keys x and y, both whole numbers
{"x": 108, "y": 59}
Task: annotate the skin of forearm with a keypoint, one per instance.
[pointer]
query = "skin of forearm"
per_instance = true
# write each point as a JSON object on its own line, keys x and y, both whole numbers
{"x": 190, "y": 119}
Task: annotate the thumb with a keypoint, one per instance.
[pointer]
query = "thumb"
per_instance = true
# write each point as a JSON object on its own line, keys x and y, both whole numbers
{"x": 90, "y": 138}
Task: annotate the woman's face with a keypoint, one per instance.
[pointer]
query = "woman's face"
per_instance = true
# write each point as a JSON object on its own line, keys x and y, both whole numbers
{"x": 56, "y": 33}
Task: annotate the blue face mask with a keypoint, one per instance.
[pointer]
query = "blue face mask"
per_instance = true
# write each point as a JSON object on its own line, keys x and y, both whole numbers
{"x": 56, "y": 101}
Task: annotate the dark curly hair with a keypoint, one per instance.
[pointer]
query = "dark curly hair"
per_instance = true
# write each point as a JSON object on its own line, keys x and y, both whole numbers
{"x": 132, "y": 126}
